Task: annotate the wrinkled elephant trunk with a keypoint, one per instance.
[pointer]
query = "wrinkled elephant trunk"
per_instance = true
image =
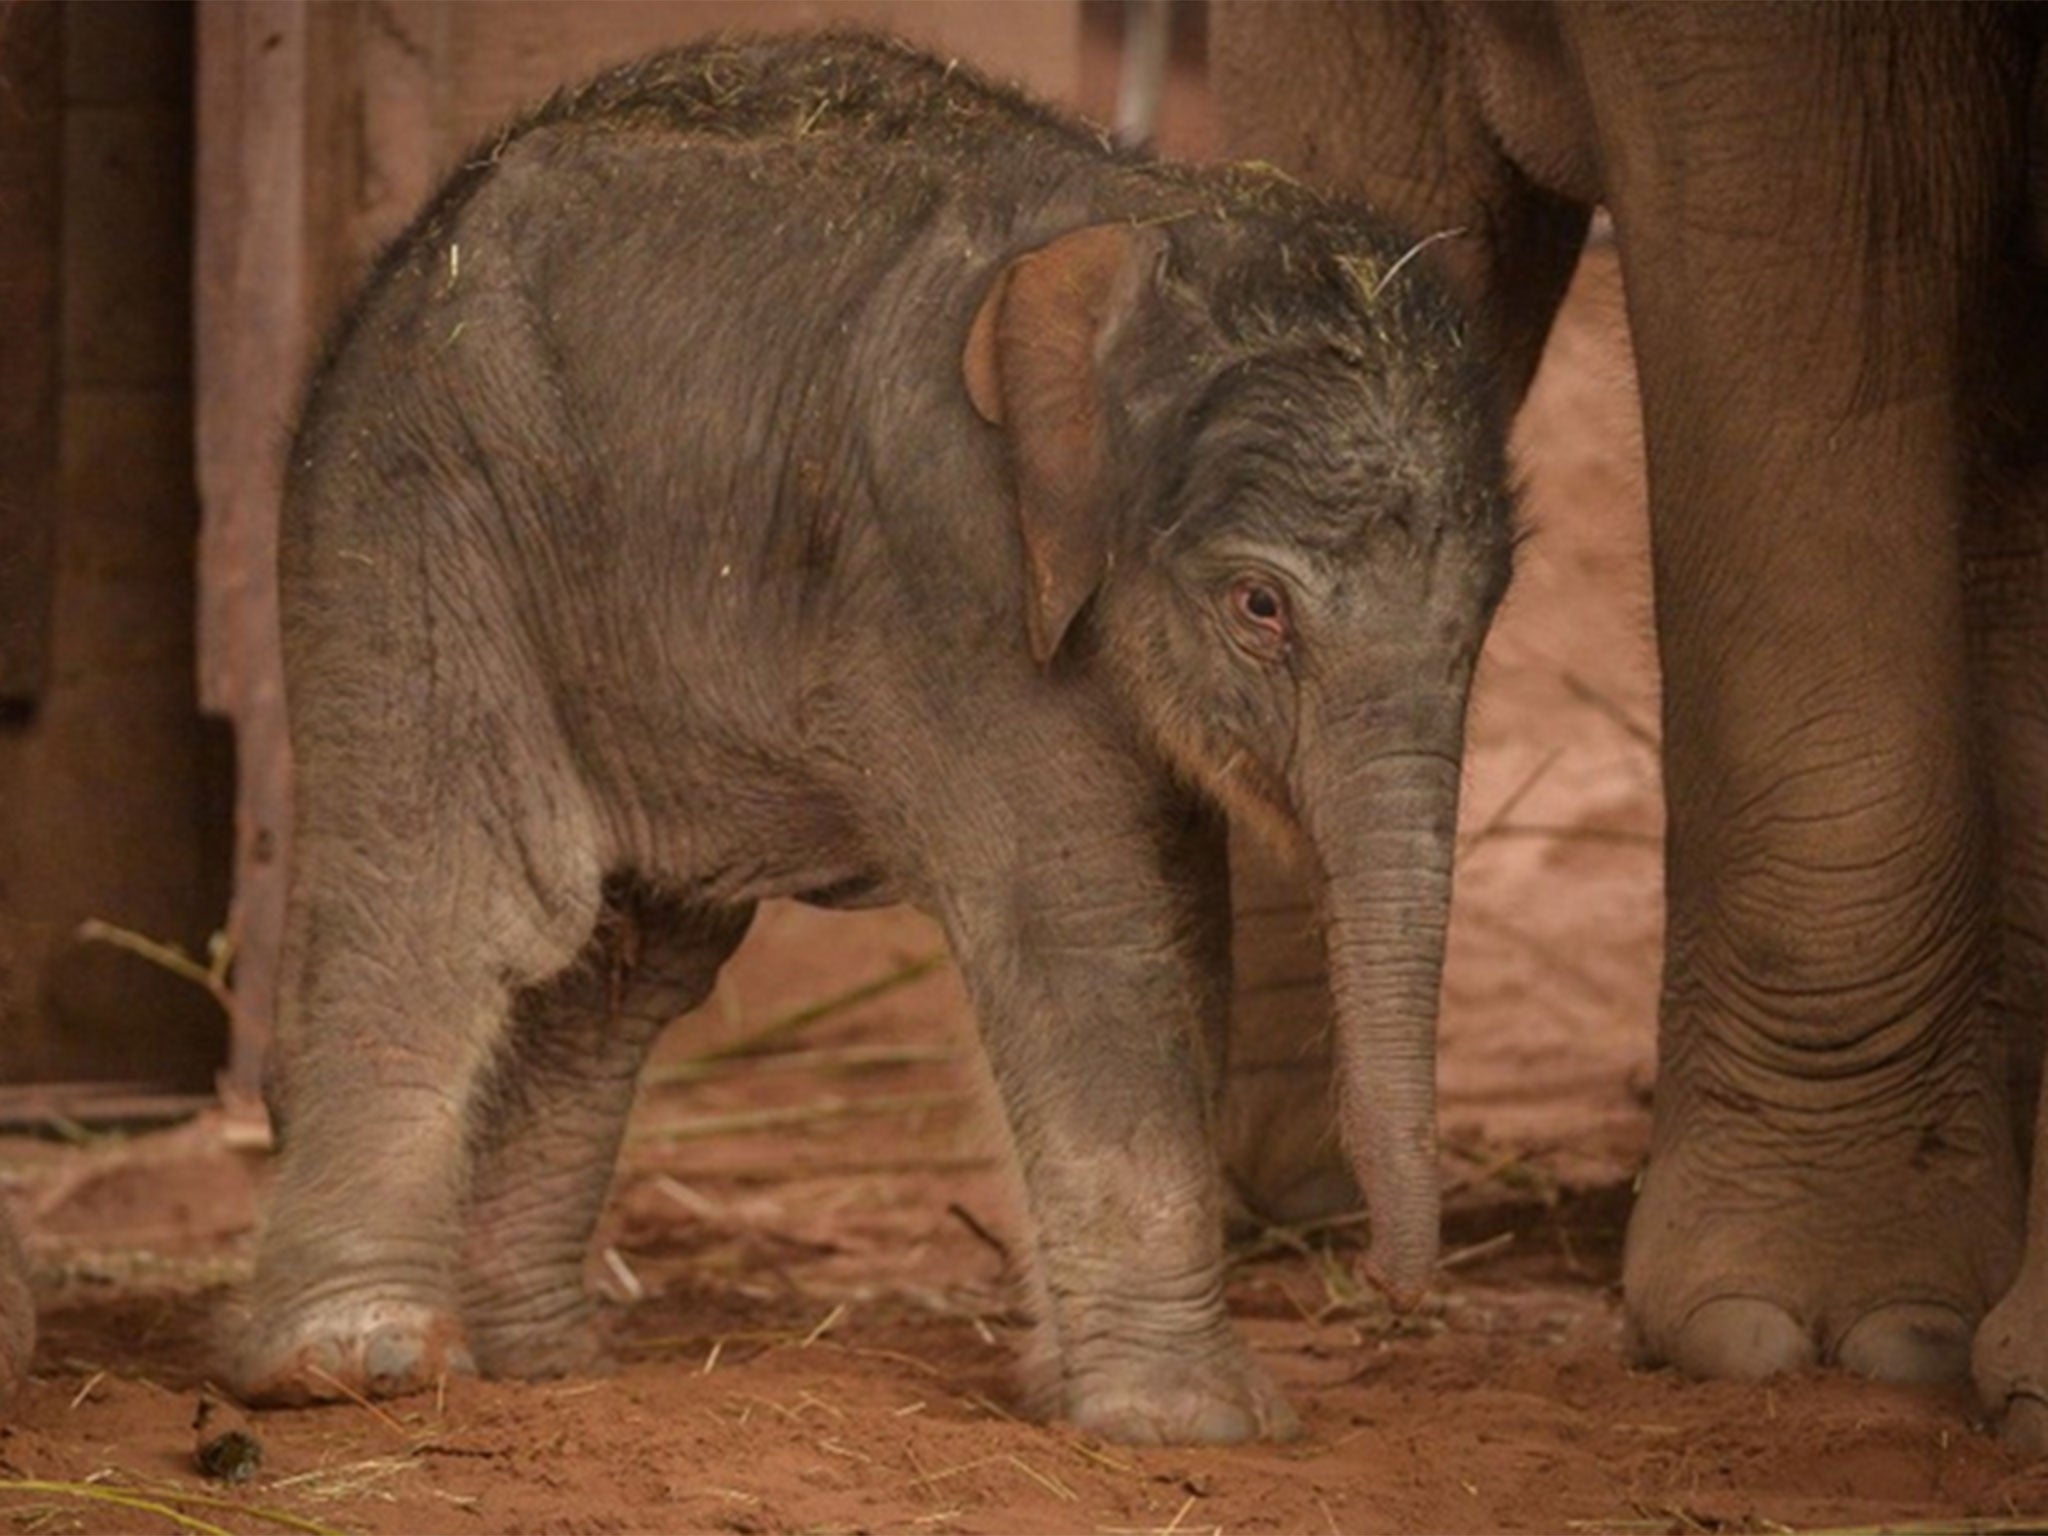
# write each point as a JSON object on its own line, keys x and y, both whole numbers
{"x": 1386, "y": 836}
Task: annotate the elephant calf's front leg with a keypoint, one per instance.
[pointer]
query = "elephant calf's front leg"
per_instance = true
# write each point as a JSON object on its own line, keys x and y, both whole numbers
{"x": 1135, "y": 1343}
{"x": 1095, "y": 1009}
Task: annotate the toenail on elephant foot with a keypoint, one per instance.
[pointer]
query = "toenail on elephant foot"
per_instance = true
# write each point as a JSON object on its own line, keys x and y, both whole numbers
{"x": 2024, "y": 1424}
{"x": 1209, "y": 1407}
{"x": 374, "y": 1349}
{"x": 1741, "y": 1338}
{"x": 1907, "y": 1341}
{"x": 2007, "y": 1361}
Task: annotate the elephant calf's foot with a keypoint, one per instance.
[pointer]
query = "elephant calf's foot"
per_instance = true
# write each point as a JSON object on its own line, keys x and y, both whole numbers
{"x": 1210, "y": 1397}
{"x": 537, "y": 1342}
{"x": 1726, "y": 1278}
{"x": 350, "y": 1348}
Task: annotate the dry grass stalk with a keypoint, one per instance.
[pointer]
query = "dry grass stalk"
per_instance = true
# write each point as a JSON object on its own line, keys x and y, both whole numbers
{"x": 1102, "y": 1458}
{"x": 1044, "y": 1480}
{"x": 1173, "y": 1527}
{"x": 629, "y": 1284}
{"x": 702, "y": 1206}
{"x": 1587, "y": 694}
{"x": 1511, "y": 802}
{"x": 869, "y": 1352}
{"x": 1671, "y": 1517}
{"x": 1627, "y": 836}
{"x": 830, "y": 1321}
{"x": 362, "y": 1402}
{"x": 1512, "y": 1168}
{"x": 352, "y": 1480}
{"x": 833, "y": 1448}
{"x": 162, "y": 1501}
{"x": 741, "y": 1122}
{"x": 989, "y": 1405}
{"x": 213, "y": 976}
{"x": 773, "y": 1337}
{"x": 94, "y": 1493}
{"x": 770, "y": 1341}
{"x": 277, "y": 1517}
{"x": 769, "y": 1036}
{"x": 756, "y": 1174}
{"x": 1474, "y": 1253}
{"x": 846, "y": 1060}
{"x": 809, "y": 1399}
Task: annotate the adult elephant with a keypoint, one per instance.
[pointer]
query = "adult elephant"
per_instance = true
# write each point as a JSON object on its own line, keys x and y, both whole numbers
{"x": 1831, "y": 228}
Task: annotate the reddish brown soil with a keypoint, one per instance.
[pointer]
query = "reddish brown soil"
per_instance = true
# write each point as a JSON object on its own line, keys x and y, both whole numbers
{"x": 820, "y": 1336}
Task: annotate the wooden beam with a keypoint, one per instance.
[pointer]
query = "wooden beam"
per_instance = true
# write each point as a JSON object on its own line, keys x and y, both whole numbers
{"x": 253, "y": 342}
{"x": 57, "y": 1106}
{"x": 31, "y": 162}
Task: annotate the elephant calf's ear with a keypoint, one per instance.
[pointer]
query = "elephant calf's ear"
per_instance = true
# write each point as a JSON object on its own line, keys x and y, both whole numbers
{"x": 1034, "y": 366}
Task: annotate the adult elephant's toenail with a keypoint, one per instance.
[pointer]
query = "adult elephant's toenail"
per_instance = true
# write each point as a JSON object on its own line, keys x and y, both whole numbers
{"x": 1909, "y": 1341}
{"x": 1742, "y": 1338}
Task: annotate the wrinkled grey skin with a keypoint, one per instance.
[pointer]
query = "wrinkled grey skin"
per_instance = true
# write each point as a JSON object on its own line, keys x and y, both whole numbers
{"x": 1833, "y": 226}
{"x": 801, "y": 469}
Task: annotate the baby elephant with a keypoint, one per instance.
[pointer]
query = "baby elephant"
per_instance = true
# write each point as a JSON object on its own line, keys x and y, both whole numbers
{"x": 802, "y": 468}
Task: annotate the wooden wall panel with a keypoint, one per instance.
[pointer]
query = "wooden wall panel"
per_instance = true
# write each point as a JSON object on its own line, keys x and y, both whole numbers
{"x": 111, "y": 786}
{"x": 31, "y": 157}
{"x": 506, "y": 55}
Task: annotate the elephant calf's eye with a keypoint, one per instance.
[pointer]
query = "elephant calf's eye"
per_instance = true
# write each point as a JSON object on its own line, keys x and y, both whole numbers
{"x": 1260, "y": 612}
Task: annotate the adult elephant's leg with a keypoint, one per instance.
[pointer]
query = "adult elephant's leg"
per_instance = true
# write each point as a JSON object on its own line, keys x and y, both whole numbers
{"x": 1374, "y": 102}
{"x": 2008, "y": 591}
{"x": 1832, "y": 1174}
{"x": 1383, "y": 103}
{"x": 550, "y": 1118}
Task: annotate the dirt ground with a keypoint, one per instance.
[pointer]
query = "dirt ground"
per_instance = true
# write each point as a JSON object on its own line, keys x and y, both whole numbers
{"x": 805, "y": 1259}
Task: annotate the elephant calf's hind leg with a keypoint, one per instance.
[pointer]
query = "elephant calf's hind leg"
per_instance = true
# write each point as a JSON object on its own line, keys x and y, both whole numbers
{"x": 549, "y": 1124}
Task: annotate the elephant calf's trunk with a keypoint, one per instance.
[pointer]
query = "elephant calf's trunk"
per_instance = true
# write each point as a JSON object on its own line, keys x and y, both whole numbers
{"x": 1388, "y": 906}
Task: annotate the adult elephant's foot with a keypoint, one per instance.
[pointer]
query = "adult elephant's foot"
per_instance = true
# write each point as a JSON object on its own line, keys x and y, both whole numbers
{"x": 349, "y": 1348}
{"x": 1749, "y": 1256}
{"x": 2010, "y": 1360}
{"x": 1746, "y": 1338}
{"x": 1216, "y": 1396}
